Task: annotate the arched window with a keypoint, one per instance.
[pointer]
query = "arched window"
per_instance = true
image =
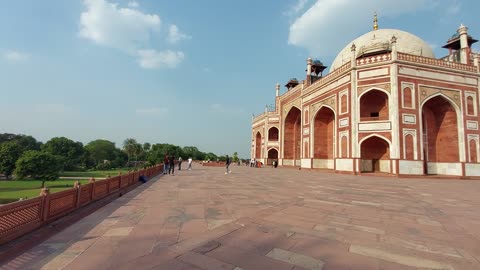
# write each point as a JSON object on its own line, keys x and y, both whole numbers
{"x": 374, "y": 106}
{"x": 470, "y": 108}
{"x": 407, "y": 97}
{"x": 343, "y": 104}
{"x": 473, "y": 151}
{"x": 273, "y": 134}
{"x": 409, "y": 147}
{"x": 344, "y": 145}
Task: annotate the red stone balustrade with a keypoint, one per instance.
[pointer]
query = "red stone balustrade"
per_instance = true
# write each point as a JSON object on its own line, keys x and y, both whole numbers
{"x": 22, "y": 217}
{"x": 435, "y": 62}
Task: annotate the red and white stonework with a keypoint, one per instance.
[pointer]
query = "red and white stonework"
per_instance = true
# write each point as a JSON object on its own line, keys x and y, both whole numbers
{"x": 387, "y": 105}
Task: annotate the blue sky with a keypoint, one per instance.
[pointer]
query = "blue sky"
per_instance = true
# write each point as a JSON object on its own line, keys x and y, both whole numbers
{"x": 183, "y": 72}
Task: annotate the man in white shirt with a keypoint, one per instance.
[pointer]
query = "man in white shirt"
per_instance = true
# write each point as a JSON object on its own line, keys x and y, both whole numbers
{"x": 189, "y": 163}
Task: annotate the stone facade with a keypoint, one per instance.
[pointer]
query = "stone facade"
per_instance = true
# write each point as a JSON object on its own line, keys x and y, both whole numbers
{"x": 392, "y": 111}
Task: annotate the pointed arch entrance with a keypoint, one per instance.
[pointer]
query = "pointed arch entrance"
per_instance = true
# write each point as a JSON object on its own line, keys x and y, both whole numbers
{"x": 375, "y": 155}
{"x": 292, "y": 137}
{"x": 440, "y": 133}
{"x": 323, "y": 138}
{"x": 258, "y": 145}
{"x": 272, "y": 155}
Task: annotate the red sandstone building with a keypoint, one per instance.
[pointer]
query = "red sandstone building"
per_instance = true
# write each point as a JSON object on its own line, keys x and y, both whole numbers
{"x": 387, "y": 105}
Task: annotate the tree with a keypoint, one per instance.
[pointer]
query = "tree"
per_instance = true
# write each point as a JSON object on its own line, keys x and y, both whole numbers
{"x": 9, "y": 154}
{"x": 101, "y": 150}
{"x": 38, "y": 165}
{"x": 129, "y": 146}
{"x": 235, "y": 157}
{"x": 146, "y": 147}
{"x": 211, "y": 156}
{"x": 25, "y": 142}
{"x": 71, "y": 152}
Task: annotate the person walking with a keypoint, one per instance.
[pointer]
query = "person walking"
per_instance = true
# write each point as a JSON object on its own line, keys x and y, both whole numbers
{"x": 165, "y": 164}
{"x": 227, "y": 162}
{"x": 171, "y": 163}
{"x": 180, "y": 160}
{"x": 189, "y": 163}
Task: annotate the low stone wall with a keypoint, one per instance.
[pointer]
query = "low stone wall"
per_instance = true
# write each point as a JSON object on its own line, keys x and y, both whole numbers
{"x": 215, "y": 164}
{"x": 22, "y": 217}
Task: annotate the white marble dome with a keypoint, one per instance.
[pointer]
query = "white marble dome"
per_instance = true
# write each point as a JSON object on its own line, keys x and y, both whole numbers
{"x": 406, "y": 43}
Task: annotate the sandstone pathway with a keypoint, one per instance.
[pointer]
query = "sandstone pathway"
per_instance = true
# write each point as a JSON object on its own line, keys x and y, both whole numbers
{"x": 273, "y": 219}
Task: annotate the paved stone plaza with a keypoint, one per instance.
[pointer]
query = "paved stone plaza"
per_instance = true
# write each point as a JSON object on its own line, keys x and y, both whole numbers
{"x": 274, "y": 219}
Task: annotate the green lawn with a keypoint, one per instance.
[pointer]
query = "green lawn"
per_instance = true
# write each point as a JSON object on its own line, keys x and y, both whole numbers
{"x": 95, "y": 173}
{"x": 11, "y": 190}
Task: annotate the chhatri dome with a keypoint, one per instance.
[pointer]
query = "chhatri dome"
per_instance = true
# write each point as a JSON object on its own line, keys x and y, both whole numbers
{"x": 378, "y": 41}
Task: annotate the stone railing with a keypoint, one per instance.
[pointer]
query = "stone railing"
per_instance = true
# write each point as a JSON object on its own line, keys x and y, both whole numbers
{"x": 435, "y": 62}
{"x": 374, "y": 59}
{"x": 334, "y": 74}
{"x": 22, "y": 217}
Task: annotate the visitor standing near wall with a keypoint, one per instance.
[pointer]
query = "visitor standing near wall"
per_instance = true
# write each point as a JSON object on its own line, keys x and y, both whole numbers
{"x": 180, "y": 160}
{"x": 189, "y": 163}
{"x": 228, "y": 161}
{"x": 165, "y": 164}
{"x": 171, "y": 162}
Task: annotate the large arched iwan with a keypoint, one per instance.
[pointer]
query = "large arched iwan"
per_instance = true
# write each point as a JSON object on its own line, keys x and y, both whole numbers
{"x": 272, "y": 155}
{"x": 323, "y": 134}
{"x": 258, "y": 145}
{"x": 292, "y": 135}
{"x": 374, "y": 152}
{"x": 440, "y": 131}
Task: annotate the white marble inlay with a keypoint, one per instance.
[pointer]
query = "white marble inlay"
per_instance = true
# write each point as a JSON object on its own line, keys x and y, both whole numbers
{"x": 374, "y": 126}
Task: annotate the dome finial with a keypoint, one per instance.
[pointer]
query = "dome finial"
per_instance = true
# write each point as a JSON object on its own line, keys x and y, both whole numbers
{"x": 375, "y": 21}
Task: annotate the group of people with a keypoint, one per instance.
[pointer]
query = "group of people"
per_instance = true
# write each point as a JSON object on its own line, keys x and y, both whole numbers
{"x": 169, "y": 164}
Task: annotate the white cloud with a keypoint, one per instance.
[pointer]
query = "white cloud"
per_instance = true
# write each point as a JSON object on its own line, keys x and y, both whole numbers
{"x": 15, "y": 56}
{"x": 296, "y": 8}
{"x": 154, "y": 59}
{"x": 454, "y": 8}
{"x": 155, "y": 111}
{"x": 123, "y": 28}
{"x": 174, "y": 35}
{"x": 323, "y": 32}
{"x": 133, "y": 4}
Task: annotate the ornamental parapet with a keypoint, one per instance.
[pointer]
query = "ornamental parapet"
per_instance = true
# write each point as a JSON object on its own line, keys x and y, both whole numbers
{"x": 435, "y": 62}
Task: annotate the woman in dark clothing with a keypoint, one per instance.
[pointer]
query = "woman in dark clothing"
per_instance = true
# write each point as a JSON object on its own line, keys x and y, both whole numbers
{"x": 171, "y": 163}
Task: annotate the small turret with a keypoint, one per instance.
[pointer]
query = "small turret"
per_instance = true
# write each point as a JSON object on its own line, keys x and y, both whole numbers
{"x": 459, "y": 46}
{"x": 291, "y": 83}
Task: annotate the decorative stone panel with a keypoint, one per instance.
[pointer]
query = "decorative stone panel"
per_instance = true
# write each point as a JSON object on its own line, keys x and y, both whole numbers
{"x": 428, "y": 91}
{"x": 329, "y": 102}
{"x": 384, "y": 86}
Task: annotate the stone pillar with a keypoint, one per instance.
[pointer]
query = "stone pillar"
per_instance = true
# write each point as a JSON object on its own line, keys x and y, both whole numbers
{"x": 464, "y": 49}
{"x": 277, "y": 90}
{"x": 308, "y": 80}
{"x": 393, "y": 104}
{"x": 45, "y": 194}
{"x": 393, "y": 42}
{"x": 309, "y": 66}
{"x": 354, "y": 58}
{"x": 353, "y": 143}
{"x": 475, "y": 61}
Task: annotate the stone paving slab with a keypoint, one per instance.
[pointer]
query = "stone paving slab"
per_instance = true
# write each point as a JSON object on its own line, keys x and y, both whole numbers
{"x": 273, "y": 219}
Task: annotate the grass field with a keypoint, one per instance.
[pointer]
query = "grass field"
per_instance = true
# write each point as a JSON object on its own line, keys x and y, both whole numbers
{"x": 94, "y": 173}
{"x": 12, "y": 190}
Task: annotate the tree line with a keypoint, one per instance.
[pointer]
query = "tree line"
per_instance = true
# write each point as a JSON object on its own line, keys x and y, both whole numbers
{"x": 24, "y": 156}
